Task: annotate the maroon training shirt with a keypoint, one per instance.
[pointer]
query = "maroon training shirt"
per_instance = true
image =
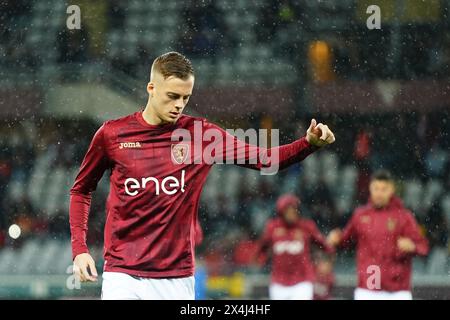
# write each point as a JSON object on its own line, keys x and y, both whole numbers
{"x": 290, "y": 247}
{"x": 152, "y": 205}
{"x": 375, "y": 232}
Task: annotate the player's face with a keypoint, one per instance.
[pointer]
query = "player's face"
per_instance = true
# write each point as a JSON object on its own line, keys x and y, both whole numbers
{"x": 170, "y": 96}
{"x": 290, "y": 215}
{"x": 381, "y": 192}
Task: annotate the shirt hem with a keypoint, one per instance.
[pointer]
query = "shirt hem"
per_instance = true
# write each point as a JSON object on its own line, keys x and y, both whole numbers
{"x": 152, "y": 274}
{"x": 386, "y": 289}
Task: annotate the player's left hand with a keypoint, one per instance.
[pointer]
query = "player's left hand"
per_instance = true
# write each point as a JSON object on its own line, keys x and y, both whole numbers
{"x": 405, "y": 244}
{"x": 319, "y": 134}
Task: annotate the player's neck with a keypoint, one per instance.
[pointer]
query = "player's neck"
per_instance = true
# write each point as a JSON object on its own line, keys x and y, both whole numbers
{"x": 150, "y": 117}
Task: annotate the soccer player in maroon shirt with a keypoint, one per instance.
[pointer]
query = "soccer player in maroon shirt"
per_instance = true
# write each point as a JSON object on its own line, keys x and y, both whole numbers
{"x": 387, "y": 237}
{"x": 325, "y": 279}
{"x": 288, "y": 238}
{"x": 155, "y": 186}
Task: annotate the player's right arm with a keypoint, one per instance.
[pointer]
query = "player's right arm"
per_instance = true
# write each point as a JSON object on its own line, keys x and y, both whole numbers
{"x": 94, "y": 164}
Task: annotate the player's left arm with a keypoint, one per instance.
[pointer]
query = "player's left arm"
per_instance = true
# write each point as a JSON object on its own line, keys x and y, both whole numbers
{"x": 280, "y": 157}
{"x": 411, "y": 241}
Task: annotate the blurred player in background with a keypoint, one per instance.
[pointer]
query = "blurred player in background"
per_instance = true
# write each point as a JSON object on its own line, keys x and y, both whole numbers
{"x": 387, "y": 237}
{"x": 288, "y": 238}
{"x": 154, "y": 194}
{"x": 324, "y": 283}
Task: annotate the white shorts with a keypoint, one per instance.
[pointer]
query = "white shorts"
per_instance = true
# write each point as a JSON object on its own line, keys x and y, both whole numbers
{"x": 121, "y": 286}
{"x": 366, "y": 294}
{"x": 299, "y": 291}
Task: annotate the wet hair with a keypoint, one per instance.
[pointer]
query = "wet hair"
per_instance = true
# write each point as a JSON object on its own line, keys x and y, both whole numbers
{"x": 382, "y": 175}
{"x": 173, "y": 64}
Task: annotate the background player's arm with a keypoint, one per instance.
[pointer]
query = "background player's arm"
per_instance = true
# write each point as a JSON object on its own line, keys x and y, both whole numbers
{"x": 345, "y": 238}
{"x": 318, "y": 238}
{"x": 94, "y": 165}
{"x": 411, "y": 241}
{"x": 317, "y": 136}
{"x": 264, "y": 245}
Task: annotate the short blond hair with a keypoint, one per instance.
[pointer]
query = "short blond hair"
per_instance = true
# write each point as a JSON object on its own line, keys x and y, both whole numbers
{"x": 173, "y": 64}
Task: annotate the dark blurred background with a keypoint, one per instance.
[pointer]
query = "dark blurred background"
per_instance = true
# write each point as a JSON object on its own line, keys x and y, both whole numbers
{"x": 259, "y": 64}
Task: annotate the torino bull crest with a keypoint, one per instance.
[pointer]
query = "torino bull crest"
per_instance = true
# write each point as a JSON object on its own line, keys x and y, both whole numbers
{"x": 180, "y": 152}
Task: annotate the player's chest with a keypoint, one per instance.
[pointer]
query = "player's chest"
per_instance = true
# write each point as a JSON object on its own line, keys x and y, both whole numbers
{"x": 145, "y": 153}
{"x": 379, "y": 226}
{"x": 289, "y": 241}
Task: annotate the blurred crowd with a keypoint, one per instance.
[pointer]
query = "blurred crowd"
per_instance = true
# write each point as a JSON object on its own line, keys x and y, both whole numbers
{"x": 33, "y": 154}
{"x": 14, "y": 16}
{"x": 204, "y": 31}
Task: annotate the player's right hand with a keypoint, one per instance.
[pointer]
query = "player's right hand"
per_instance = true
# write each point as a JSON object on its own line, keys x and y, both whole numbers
{"x": 82, "y": 265}
{"x": 334, "y": 237}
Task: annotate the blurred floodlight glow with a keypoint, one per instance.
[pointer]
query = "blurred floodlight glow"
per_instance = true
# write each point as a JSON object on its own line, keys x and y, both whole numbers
{"x": 14, "y": 231}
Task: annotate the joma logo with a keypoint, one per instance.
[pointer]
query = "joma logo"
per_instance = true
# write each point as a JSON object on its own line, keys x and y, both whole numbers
{"x": 129, "y": 145}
